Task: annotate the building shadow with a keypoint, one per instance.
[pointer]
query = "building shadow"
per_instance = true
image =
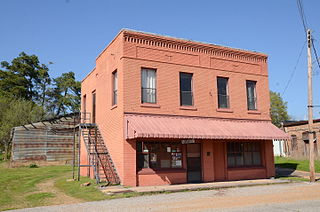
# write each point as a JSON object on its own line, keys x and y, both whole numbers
{"x": 285, "y": 169}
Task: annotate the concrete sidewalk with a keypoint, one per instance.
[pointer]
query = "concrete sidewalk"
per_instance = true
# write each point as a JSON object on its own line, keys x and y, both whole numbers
{"x": 280, "y": 172}
{"x": 191, "y": 187}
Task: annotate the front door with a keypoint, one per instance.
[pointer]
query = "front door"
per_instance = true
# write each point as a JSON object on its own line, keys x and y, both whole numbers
{"x": 194, "y": 163}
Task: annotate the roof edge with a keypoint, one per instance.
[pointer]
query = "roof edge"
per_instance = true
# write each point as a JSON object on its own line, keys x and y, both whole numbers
{"x": 206, "y": 44}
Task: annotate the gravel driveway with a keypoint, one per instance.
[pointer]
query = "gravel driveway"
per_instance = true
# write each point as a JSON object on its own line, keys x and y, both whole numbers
{"x": 283, "y": 197}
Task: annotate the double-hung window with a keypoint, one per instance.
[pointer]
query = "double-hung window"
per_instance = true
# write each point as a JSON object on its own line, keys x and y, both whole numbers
{"x": 223, "y": 97}
{"x": 115, "y": 88}
{"x": 251, "y": 95}
{"x": 186, "y": 96}
{"x": 148, "y": 86}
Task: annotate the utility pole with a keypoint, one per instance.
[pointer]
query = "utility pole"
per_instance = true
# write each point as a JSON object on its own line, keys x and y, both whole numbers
{"x": 310, "y": 109}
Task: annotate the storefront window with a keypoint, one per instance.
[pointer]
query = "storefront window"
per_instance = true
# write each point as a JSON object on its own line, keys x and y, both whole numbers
{"x": 244, "y": 154}
{"x": 158, "y": 155}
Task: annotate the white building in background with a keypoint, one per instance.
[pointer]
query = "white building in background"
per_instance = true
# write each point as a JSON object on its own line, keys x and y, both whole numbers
{"x": 278, "y": 148}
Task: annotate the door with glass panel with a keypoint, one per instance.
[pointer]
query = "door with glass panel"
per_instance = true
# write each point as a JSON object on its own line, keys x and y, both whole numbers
{"x": 194, "y": 173}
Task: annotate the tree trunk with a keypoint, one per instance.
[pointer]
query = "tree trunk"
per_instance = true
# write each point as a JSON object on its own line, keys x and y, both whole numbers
{"x": 5, "y": 156}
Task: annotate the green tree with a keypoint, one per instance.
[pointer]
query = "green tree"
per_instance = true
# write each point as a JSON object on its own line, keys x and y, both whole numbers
{"x": 15, "y": 112}
{"x": 278, "y": 109}
{"x": 27, "y": 94}
{"x": 64, "y": 95}
{"x": 25, "y": 77}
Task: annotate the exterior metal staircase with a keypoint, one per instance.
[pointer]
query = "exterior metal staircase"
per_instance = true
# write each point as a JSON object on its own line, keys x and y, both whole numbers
{"x": 99, "y": 157}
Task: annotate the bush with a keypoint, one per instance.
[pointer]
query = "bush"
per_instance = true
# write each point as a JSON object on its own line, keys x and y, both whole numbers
{"x": 33, "y": 165}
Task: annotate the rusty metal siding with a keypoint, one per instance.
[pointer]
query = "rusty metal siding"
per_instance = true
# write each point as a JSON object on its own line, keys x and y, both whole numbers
{"x": 42, "y": 144}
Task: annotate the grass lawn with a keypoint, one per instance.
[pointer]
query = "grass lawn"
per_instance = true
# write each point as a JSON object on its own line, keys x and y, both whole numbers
{"x": 30, "y": 187}
{"x": 47, "y": 185}
{"x": 302, "y": 165}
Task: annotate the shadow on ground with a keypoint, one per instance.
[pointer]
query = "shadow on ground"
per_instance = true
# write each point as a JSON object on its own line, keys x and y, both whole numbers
{"x": 285, "y": 169}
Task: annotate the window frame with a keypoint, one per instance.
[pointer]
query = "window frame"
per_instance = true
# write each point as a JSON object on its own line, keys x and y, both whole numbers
{"x": 242, "y": 154}
{"x": 226, "y": 95}
{"x": 84, "y": 108}
{"x": 294, "y": 142}
{"x": 305, "y": 136}
{"x": 191, "y": 92}
{"x": 153, "y": 89}
{"x": 115, "y": 88}
{"x": 159, "y": 154}
{"x": 255, "y": 105}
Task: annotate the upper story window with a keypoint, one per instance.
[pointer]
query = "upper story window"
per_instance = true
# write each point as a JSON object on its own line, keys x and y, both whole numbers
{"x": 223, "y": 97}
{"x": 84, "y": 104}
{"x": 115, "y": 88}
{"x": 251, "y": 95}
{"x": 148, "y": 86}
{"x": 186, "y": 97}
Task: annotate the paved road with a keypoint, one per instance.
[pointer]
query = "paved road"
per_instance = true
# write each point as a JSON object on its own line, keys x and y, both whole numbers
{"x": 284, "y": 197}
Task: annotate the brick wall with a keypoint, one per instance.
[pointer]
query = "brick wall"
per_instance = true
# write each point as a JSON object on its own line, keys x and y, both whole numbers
{"x": 205, "y": 67}
{"x": 130, "y": 51}
{"x": 108, "y": 117}
{"x": 301, "y": 149}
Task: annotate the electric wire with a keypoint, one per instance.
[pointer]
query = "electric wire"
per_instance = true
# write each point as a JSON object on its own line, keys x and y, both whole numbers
{"x": 315, "y": 53}
{"x": 302, "y": 16}
{"x": 305, "y": 27}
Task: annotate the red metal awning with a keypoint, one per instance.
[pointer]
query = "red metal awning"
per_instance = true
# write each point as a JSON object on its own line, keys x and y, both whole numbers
{"x": 162, "y": 126}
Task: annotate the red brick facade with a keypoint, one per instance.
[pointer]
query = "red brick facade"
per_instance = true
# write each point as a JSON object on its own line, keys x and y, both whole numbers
{"x": 131, "y": 51}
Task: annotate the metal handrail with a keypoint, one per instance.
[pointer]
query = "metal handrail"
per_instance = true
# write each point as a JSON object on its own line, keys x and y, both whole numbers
{"x": 114, "y": 171}
{"x": 85, "y": 117}
{"x": 88, "y": 149}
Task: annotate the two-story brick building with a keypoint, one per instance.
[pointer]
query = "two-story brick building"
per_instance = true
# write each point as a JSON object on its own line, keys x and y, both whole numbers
{"x": 176, "y": 111}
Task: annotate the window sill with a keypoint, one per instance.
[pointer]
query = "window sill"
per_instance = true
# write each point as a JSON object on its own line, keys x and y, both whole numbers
{"x": 224, "y": 110}
{"x": 254, "y": 112}
{"x": 150, "y": 105}
{"x": 188, "y": 108}
{"x": 113, "y": 107}
{"x": 147, "y": 171}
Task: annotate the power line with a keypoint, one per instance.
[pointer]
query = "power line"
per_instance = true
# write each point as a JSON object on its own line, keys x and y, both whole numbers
{"x": 315, "y": 53}
{"x": 305, "y": 27}
{"x": 302, "y": 16}
{"x": 294, "y": 69}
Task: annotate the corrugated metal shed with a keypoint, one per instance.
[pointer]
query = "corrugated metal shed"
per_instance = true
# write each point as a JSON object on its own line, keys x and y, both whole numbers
{"x": 50, "y": 140}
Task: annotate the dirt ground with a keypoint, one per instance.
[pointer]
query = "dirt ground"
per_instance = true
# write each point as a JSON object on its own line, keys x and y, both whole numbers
{"x": 60, "y": 197}
{"x": 258, "y": 198}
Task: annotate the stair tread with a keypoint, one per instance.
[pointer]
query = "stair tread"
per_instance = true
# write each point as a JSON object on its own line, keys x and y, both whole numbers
{"x": 99, "y": 155}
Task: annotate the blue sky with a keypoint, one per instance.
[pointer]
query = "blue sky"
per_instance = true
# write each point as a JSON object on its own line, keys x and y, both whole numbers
{"x": 71, "y": 33}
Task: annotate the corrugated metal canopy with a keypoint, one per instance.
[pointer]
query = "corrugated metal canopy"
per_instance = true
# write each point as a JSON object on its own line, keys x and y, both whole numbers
{"x": 161, "y": 126}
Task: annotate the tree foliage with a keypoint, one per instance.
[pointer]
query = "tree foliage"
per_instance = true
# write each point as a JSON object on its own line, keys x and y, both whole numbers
{"x": 29, "y": 94}
{"x": 24, "y": 78}
{"x": 15, "y": 112}
{"x": 65, "y": 95}
{"x": 278, "y": 107}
